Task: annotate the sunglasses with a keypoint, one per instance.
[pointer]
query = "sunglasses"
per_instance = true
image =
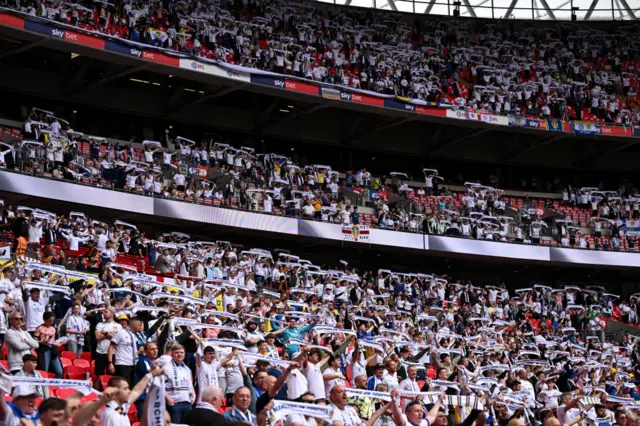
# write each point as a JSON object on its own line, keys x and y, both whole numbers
{"x": 309, "y": 401}
{"x": 17, "y": 319}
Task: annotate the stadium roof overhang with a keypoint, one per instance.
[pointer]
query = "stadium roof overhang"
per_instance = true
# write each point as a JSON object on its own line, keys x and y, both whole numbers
{"x": 41, "y": 67}
{"x": 584, "y": 10}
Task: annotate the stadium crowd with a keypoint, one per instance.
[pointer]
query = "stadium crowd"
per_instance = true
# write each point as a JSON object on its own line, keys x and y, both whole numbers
{"x": 233, "y": 336}
{"x": 217, "y": 173}
{"x": 569, "y": 72}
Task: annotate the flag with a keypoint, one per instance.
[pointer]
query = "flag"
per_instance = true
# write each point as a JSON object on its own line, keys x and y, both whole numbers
{"x": 355, "y": 233}
{"x": 5, "y": 252}
{"x": 219, "y": 303}
{"x": 156, "y": 405}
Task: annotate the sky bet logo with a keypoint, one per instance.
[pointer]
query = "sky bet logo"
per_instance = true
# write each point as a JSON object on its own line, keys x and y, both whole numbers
{"x": 345, "y": 96}
{"x": 279, "y": 83}
{"x": 57, "y": 33}
{"x": 409, "y": 107}
{"x": 136, "y": 52}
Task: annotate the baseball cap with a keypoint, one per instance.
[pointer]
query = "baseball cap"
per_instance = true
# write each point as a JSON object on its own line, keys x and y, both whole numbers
{"x": 122, "y": 317}
{"x": 23, "y": 390}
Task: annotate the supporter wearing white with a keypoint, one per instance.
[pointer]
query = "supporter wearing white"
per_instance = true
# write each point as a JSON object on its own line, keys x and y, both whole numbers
{"x": 313, "y": 372}
{"x": 343, "y": 414}
{"x": 390, "y": 377}
{"x": 104, "y": 333}
{"x": 77, "y": 327}
{"x": 117, "y": 399}
{"x": 332, "y": 375}
{"x": 122, "y": 355}
{"x": 409, "y": 384}
{"x": 207, "y": 368}
{"x": 180, "y": 394}
{"x": 35, "y": 307}
{"x": 74, "y": 239}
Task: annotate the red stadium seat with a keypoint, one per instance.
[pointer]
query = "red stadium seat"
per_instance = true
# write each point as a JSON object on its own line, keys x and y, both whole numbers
{"x": 65, "y": 393}
{"x": 431, "y": 372}
{"x": 82, "y": 363}
{"x": 89, "y": 398}
{"x": 86, "y": 355}
{"x": 75, "y": 373}
{"x": 104, "y": 379}
{"x": 133, "y": 414}
{"x": 69, "y": 355}
{"x": 66, "y": 362}
{"x": 46, "y": 374}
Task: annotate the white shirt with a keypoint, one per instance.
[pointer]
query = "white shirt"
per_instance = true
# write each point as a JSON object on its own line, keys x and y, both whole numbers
{"x": 106, "y": 327}
{"x": 408, "y": 385}
{"x": 110, "y": 417}
{"x": 348, "y": 416}
{"x": 314, "y": 378}
{"x": 179, "y": 384}
{"x": 77, "y": 323}
{"x": 329, "y": 384}
{"x": 297, "y": 384}
{"x": 234, "y": 377}
{"x": 423, "y": 422}
{"x": 126, "y": 351}
{"x": 391, "y": 380}
{"x": 207, "y": 375}
{"x": 34, "y": 312}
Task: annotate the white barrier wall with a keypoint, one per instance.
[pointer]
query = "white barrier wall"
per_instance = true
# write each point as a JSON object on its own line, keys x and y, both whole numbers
{"x": 132, "y": 203}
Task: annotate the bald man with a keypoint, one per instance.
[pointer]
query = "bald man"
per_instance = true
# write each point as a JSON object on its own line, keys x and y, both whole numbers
{"x": 206, "y": 411}
{"x": 343, "y": 414}
{"x": 551, "y": 421}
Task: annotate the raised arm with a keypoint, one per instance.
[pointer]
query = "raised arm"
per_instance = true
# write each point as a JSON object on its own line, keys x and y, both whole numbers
{"x": 87, "y": 411}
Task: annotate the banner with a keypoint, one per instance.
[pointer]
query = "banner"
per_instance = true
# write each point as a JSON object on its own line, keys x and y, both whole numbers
{"x": 584, "y": 128}
{"x": 355, "y": 233}
{"x": 285, "y": 408}
{"x": 299, "y": 87}
{"x": 533, "y": 123}
{"x": 5, "y": 252}
{"x": 266, "y": 80}
{"x": 517, "y": 121}
{"x": 358, "y": 98}
{"x": 83, "y": 386}
{"x": 614, "y": 131}
{"x": 328, "y": 93}
{"x": 156, "y": 405}
{"x": 458, "y": 114}
{"x": 554, "y": 125}
{"x": 631, "y": 227}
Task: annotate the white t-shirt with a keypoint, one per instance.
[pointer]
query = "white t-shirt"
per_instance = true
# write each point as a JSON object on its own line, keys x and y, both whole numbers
{"x": 179, "y": 179}
{"x": 125, "y": 351}
{"x": 423, "y": 422}
{"x": 234, "y": 377}
{"x": 329, "y": 384}
{"x": 297, "y": 384}
{"x": 77, "y": 323}
{"x": 106, "y": 327}
{"x": 348, "y": 416}
{"x": 35, "y": 311}
{"x": 207, "y": 375}
{"x": 314, "y": 378}
{"x": 178, "y": 385}
{"x": 111, "y": 417}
